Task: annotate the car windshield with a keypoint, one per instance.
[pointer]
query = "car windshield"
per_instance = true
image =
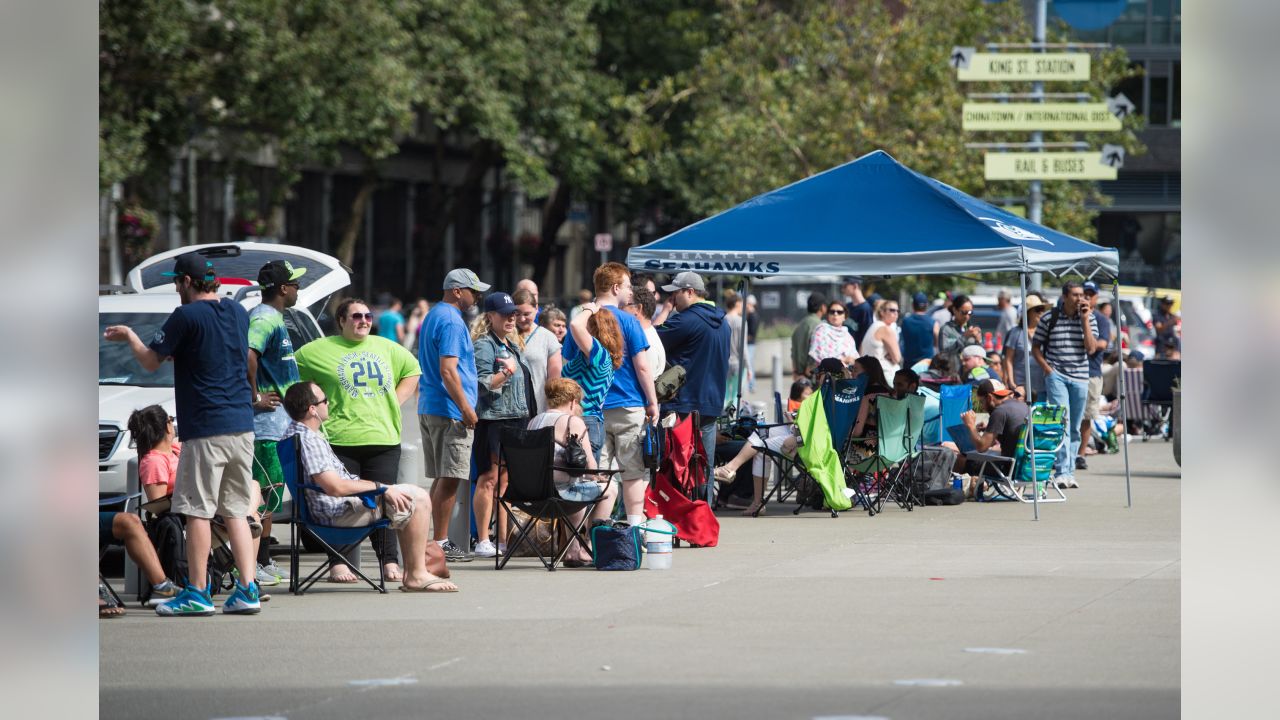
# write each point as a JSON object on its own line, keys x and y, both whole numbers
{"x": 245, "y": 266}
{"x": 116, "y": 364}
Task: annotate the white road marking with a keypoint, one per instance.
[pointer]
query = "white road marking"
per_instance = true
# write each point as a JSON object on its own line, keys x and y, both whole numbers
{"x": 996, "y": 651}
{"x": 384, "y": 682}
{"x": 929, "y": 682}
{"x": 446, "y": 663}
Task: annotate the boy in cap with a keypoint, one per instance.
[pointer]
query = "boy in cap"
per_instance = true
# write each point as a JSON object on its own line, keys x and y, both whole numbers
{"x": 447, "y": 398}
{"x": 206, "y": 337}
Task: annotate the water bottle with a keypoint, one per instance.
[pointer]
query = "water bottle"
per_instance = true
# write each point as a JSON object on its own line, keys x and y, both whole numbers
{"x": 657, "y": 543}
{"x": 502, "y": 354}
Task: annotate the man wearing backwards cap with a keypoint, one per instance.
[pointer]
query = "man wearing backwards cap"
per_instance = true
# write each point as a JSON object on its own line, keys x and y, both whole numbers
{"x": 447, "y": 392}
{"x": 697, "y": 337}
{"x": 207, "y": 339}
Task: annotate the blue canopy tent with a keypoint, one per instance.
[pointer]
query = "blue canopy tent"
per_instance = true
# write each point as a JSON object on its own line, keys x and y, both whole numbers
{"x": 872, "y": 216}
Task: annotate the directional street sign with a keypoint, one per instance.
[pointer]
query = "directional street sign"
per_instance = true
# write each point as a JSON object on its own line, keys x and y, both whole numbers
{"x": 1039, "y": 116}
{"x": 1025, "y": 66}
{"x": 1047, "y": 166}
{"x": 960, "y": 57}
{"x": 1121, "y": 106}
{"x": 1112, "y": 156}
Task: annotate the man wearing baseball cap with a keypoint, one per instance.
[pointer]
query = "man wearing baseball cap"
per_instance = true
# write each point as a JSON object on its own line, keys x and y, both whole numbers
{"x": 272, "y": 370}
{"x": 1008, "y": 413}
{"x": 447, "y": 398}
{"x": 207, "y": 339}
{"x": 1093, "y": 401}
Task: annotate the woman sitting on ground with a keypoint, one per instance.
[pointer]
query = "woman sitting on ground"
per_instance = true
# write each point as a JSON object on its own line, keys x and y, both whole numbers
{"x": 564, "y": 412}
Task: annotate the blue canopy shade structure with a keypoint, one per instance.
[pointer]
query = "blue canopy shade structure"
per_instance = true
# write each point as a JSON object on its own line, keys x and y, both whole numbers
{"x": 871, "y": 216}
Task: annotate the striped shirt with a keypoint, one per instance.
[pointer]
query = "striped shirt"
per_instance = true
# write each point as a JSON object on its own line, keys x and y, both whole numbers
{"x": 594, "y": 373}
{"x": 1064, "y": 348}
{"x": 317, "y": 457}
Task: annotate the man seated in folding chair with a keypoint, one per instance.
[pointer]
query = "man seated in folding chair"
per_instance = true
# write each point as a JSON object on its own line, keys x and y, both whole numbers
{"x": 1008, "y": 415}
{"x": 407, "y": 507}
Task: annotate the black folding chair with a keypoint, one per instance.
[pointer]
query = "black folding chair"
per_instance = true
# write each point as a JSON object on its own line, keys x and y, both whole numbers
{"x": 123, "y": 501}
{"x": 1158, "y": 378}
{"x": 527, "y": 456}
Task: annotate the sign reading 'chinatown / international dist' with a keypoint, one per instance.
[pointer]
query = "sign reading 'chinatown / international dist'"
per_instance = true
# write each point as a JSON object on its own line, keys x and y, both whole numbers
{"x": 1047, "y": 166}
{"x": 1024, "y": 66}
{"x": 1039, "y": 116}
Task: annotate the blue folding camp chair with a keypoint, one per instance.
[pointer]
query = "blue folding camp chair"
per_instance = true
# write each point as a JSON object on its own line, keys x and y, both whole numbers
{"x": 842, "y": 404}
{"x": 1011, "y": 478}
{"x": 953, "y": 401}
{"x": 334, "y": 540}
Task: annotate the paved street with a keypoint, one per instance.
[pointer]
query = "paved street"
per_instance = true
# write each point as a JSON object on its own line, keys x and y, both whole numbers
{"x": 972, "y": 611}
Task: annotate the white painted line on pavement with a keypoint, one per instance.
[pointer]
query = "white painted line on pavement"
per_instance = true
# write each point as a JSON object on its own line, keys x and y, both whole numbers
{"x": 996, "y": 651}
{"x": 850, "y": 717}
{"x": 929, "y": 682}
{"x": 711, "y": 584}
{"x": 253, "y": 717}
{"x": 384, "y": 682}
{"x": 446, "y": 663}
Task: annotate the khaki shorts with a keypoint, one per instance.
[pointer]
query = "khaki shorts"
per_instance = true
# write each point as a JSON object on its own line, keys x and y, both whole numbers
{"x": 446, "y": 447}
{"x": 215, "y": 477}
{"x": 1094, "y": 400}
{"x": 624, "y": 442}
{"x": 360, "y": 515}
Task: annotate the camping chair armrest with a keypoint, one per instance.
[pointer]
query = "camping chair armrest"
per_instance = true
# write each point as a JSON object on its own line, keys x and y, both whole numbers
{"x": 367, "y": 497}
{"x": 117, "y": 499}
{"x": 579, "y": 472}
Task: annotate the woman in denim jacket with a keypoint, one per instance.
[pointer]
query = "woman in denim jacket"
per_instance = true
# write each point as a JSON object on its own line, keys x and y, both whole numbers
{"x": 503, "y": 402}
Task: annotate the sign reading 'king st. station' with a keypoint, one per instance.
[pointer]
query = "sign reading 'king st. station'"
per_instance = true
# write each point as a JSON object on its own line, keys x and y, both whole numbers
{"x": 1024, "y": 67}
{"x": 1082, "y": 117}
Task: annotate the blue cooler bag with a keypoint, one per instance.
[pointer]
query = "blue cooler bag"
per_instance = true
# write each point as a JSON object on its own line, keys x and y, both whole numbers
{"x": 616, "y": 547}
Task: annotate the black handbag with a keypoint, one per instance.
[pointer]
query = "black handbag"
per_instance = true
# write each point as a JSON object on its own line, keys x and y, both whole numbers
{"x": 574, "y": 456}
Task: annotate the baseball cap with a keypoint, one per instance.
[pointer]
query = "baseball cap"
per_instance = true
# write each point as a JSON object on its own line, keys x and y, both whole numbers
{"x": 500, "y": 303}
{"x": 464, "y": 278}
{"x": 992, "y": 386}
{"x": 852, "y": 279}
{"x": 920, "y": 299}
{"x": 831, "y": 365}
{"x": 685, "y": 281}
{"x": 278, "y": 272}
{"x": 973, "y": 351}
{"x": 1091, "y": 288}
{"x": 194, "y": 266}
{"x": 1166, "y": 299}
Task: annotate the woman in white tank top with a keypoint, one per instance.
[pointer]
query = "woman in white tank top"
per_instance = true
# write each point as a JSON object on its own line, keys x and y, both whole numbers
{"x": 881, "y": 340}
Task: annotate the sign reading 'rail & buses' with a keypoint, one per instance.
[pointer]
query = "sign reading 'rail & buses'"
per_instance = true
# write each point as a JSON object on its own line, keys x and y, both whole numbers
{"x": 1047, "y": 166}
{"x": 1024, "y": 66}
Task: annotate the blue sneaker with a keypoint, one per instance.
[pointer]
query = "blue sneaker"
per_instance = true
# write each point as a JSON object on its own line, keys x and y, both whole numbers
{"x": 188, "y": 602}
{"x": 243, "y": 600}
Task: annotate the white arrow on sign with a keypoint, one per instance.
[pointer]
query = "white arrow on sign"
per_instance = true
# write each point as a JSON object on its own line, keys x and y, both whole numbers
{"x": 1121, "y": 106}
{"x": 960, "y": 57}
{"x": 1113, "y": 156}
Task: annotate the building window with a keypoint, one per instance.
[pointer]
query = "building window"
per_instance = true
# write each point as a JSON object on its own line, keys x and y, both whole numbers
{"x": 1143, "y": 22}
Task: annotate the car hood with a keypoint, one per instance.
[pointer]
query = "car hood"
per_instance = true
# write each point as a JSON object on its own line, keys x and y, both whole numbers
{"x": 117, "y": 402}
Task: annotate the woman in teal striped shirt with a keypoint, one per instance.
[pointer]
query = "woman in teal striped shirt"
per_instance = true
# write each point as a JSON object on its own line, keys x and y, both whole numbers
{"x": 590, "y": 360}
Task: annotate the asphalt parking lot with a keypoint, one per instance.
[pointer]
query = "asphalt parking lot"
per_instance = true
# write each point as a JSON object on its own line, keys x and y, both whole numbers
{"x": 973, "y": 611}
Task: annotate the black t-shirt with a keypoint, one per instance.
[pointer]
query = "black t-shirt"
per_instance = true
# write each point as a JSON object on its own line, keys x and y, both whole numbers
{"x": 859, "y": 320}
{"x": 753, "y": 327}
{"x": 1005, "y": 423}
{"x": 209, "y": 343}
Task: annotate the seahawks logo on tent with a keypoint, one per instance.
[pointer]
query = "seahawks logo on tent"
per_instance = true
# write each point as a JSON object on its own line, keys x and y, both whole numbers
{"x": 1014, "y": 232}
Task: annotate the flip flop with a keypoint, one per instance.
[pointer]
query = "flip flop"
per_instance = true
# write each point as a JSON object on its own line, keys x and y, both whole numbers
{"x": 428, "y": 588}
{"x": 108, "y": 610}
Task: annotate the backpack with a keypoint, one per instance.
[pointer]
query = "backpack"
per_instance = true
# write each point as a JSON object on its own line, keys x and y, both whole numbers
{"x": 667, "y": 385}
{"x": 168, "y": 535}
{"x": 944, "y": 496}
{"x": 1048, "y": 320}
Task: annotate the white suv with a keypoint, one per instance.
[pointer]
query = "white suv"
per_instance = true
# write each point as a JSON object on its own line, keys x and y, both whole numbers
{"x": 145, "y": 303}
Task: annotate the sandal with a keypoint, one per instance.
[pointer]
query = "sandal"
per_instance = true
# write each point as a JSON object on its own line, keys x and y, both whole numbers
{"x": 754, "y": 511}
{"x": 724, "y": 474}
{"x": 107, "y": 606}
{"x": 433, "y": 586}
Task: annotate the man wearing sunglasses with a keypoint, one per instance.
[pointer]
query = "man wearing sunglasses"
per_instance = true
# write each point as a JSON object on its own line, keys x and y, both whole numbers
{"x": 272, "y": 369}
{"x": 207, "y": 339}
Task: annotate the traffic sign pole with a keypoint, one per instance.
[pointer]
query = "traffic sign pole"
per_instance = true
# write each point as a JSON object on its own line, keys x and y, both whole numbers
{"x": 1035, "y": 203}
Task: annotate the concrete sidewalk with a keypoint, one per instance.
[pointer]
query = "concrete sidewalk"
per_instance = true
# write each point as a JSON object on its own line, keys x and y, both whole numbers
{"x": 972, "y": 611}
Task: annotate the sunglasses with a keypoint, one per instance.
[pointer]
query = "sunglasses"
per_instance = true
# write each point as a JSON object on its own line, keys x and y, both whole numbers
{"x": 321, "y": 401}
{"x": 835, "y": 312}
{"x": 368, "y": 317}
{"x": 173, "y": 419}
{"x": 891, "y": 309}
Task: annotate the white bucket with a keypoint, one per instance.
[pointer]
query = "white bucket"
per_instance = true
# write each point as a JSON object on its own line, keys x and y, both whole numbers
{"x": 657, "y": 543}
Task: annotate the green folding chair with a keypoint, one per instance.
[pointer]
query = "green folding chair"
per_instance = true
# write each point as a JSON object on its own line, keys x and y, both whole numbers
{"x": 881, "y": 476}
{"x": 1012, "y": 478}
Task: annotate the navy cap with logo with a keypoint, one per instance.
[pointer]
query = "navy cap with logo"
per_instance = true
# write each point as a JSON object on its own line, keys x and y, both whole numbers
{"x": 920, "y": 300}
{"x": 500, "y": 303}
{"x": 1091, "y": 288}
{"x": 278, "y": 272}
{"x": 194, "y": 266}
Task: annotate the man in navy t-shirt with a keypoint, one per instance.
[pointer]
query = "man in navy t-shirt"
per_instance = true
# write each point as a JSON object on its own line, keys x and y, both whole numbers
{"x": 917, "y": 332}
{"x": 632, "y": 400}
{"x": 207, "y": 339}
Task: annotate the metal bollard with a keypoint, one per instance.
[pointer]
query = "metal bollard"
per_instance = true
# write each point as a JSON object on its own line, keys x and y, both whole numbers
{"x": 776, "y": 371}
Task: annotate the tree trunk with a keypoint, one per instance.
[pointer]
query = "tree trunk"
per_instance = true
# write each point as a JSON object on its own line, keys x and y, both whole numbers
{"x": 554, "y": 213}
{"x": 442, "y": 211}
{"x": 346, "y": 250}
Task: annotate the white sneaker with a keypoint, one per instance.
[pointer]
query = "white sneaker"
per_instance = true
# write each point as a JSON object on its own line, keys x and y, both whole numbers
{"x": 1062, "y": 481}
{"x": 1071, "y": 482}
{"x": 502, "y": 548}
{"x": 485, "y": 548}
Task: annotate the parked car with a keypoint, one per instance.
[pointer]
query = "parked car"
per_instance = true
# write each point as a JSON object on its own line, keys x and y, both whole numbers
{"x": 145, "y": 303}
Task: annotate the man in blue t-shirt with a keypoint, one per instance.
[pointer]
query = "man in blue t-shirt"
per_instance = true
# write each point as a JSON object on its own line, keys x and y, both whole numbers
{"x": 391, "y": 322}
{"x": 632, "y": 400}
{"x": 917, "y": 332}
{"x": 447, "y": 392}
{"x": 207, "y": 339}
{"x": 1093, "y": 401}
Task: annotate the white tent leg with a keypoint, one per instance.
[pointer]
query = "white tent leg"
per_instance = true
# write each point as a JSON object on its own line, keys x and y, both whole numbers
{"x": 1124, "y": 391}
{"x": 1031, "y": 435}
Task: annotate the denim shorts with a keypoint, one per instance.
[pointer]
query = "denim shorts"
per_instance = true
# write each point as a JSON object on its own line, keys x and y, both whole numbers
{"x": 582, "y": 492}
